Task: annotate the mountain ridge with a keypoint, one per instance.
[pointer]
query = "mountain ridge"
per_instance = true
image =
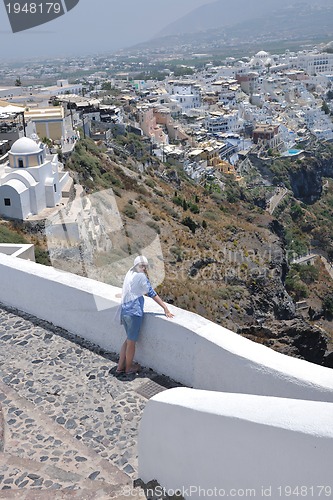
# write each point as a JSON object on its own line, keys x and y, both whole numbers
{"x": 215, "y": 15}
{"x": 302, "y": 23}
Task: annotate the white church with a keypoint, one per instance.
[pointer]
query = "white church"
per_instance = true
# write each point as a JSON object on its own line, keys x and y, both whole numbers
{"x": 31, "y": 181}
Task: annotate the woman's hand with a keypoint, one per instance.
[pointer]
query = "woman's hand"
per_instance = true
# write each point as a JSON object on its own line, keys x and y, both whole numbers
{"x": 164, "y": 306}
{"x": 168, "y": 313}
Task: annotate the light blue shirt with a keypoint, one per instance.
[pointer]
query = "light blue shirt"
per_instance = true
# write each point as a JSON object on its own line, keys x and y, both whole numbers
{"x": 140, "y": 285}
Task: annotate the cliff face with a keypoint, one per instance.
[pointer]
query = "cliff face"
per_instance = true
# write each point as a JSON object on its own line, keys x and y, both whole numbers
{"x": 327, "y": 166}
{"x": 306, "y": 181}
{"x": 295, "y": 338}
{"x": 277, "y": 324}
{"x": 306, "y": 177}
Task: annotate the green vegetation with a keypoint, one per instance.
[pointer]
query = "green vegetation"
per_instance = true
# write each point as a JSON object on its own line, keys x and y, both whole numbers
{"x": 328, "y": 306}
{"x": 182, "y": 71}
{"x": 150, "y": 183}
{"x": 296, "y": 240}
{"x": 298, "y": 279}
{"x": 194, "y": 208}
{"x": 9, "y": 235}
{"x": 295, "y": 211}
{"x": 111, "y": 90}
{"x": 190, "y": 223}
{"x": 154, "y": 226}
{"x": 130, "y": 211}
{"x": 177, "y": 201}
{"x": 295, "y": 287}
{"x": 42, "y": 256}
{"x": 280, "y": 172}
{"x": 186, "y": 205}
{"x": 134, "y": 145}
{"x": 86, "y": 160}
{"x": 232, "y": 191}
{"x": 306, "y": 272}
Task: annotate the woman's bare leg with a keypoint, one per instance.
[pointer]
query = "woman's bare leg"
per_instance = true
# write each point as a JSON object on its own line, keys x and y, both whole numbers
{"x": 122, "y": 357}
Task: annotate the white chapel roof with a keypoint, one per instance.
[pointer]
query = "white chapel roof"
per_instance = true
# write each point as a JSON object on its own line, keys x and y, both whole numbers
{"x": 21, "y": 175}
{"x": 19, "y": 186}
{"x": 24, "y": 145}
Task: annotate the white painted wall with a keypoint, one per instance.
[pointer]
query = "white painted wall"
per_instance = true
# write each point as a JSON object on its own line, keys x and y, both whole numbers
{"x": 80, "y": 305}
{"x": 242, "y": 445}
{"x": 18, "y": 194}
{"x": 204, "y": 355}
{"x": 188, "y": 348}
{"x": 22, "y": 251}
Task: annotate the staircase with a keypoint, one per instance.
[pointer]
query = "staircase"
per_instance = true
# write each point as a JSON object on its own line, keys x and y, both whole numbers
{"x": 70, "y": 426}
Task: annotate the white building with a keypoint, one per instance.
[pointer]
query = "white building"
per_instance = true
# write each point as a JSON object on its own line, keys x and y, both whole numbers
{"x": 316, "y": 62}
{"x": 229, "y": 92}
{"x": 63, "y": 88}
{"x": 218, "y": 121}
{"x": 186, "y": 94}
{"x": 261, "y": 60}
{"x": 9, "y": 92}
{"x": 248, "y": 80}
{"x": 31, "y": 181}
{"x": 318, "y": 123}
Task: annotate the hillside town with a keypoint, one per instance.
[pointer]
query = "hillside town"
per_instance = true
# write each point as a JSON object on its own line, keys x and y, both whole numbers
{"x": 221, "y": 174}
{"x": 207, "y": 122}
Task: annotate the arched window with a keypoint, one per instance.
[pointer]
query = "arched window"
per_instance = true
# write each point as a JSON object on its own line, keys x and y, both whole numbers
{"x": 20, "y": 163}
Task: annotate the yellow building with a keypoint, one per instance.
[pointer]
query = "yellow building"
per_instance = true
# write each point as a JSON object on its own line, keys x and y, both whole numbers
{"x": 225, "y": 167}
{"x": 49, "y": 122}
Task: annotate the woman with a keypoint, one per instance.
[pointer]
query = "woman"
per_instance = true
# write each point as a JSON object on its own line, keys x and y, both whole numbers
{"x": 136, "y": 285}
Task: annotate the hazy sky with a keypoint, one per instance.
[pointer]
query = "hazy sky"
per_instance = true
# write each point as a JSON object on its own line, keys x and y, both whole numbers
{"x": 93, "y": 26}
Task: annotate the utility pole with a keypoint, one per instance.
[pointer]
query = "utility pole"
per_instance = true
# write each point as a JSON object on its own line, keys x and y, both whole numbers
{"x": 71, "y": 113}
{"x": 23, "y": 121}
{"x": 84, "y": 130}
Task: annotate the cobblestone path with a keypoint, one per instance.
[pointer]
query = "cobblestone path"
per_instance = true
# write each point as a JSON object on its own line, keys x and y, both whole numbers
{"x": 70, "y": 425}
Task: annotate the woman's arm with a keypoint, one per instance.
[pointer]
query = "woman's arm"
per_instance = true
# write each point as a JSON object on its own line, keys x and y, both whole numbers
{"x": 161, "y": 303}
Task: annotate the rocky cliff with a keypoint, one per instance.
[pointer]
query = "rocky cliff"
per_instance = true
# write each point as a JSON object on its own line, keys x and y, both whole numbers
{"x": 306, "y": 178}
{"x": 295, "y": 338}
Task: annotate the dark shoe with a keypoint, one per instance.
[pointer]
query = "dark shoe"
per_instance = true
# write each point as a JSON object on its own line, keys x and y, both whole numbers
{"x": 135, "y": 369}
{"x": 116, "y": 372}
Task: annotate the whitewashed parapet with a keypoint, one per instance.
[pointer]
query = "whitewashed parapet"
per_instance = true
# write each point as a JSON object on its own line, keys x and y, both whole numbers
{"x": 190, "y": 349}
{"x": 80, "y": 305}
{"x": 22, "y": 251}
{"x": 209, "y": 444}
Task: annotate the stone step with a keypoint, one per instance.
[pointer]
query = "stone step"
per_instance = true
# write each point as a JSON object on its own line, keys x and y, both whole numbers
{"x": 31, "y": 435}
{"x": 17, "y": 473}
{"x": 99, "y": 493}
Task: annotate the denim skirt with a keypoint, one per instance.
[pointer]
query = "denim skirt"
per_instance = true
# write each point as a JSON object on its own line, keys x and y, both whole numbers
{"x": 132, "y": 326}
